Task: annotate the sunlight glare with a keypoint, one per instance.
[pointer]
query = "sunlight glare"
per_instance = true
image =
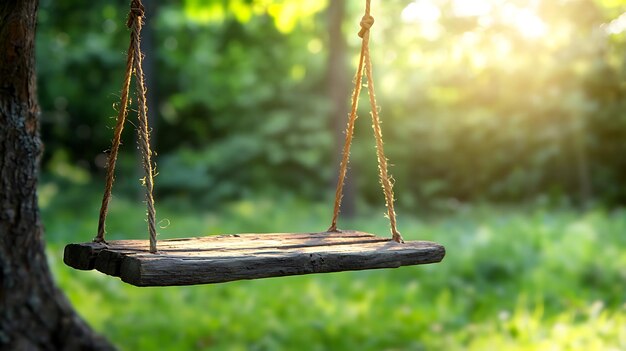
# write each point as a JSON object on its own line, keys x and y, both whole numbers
{"x": 526, "y": 22}
{"x": 617, "y": 25}
{"x": 427, "y": 14}
{"x": 524, "y": 19}
{"x": 423, "y": 11}
{"x": 471, "y": 8}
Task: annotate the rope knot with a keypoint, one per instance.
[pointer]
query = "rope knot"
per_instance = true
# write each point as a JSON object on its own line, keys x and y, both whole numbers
{"x": 366, "y": 23}
{"x": 136, "y": 13}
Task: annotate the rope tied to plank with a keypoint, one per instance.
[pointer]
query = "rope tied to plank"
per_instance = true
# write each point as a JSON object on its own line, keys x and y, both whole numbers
{"x": 365, "y": 64}
{"x": 133, "y": 64}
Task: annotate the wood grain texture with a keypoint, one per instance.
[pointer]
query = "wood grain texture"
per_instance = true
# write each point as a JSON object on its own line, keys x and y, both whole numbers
{"x": 224, "y": 258}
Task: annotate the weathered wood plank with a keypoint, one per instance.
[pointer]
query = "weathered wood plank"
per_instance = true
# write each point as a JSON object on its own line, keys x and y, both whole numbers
{"x": 223, "y": 258}
{"x": 81, "y": 256}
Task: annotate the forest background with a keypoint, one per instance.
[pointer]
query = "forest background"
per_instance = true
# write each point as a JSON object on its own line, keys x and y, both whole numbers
{"x": 504, "y": 121}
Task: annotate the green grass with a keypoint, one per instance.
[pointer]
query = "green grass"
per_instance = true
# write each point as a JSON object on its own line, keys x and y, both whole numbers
{"x": 513, "y": 279}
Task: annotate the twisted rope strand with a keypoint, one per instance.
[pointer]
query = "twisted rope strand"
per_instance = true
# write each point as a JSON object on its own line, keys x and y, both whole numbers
{"x": 134, "y": 60}
{"x": 380, "y": 151}
{"x": 143, "y": 132}
{"x": 115, "y": 146}
{"x": 346, "y": 146}
{"x": 365, "y": 62}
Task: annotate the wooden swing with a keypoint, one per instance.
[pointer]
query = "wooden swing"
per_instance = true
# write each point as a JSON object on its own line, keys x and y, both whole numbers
{"x": 223, "y": 258}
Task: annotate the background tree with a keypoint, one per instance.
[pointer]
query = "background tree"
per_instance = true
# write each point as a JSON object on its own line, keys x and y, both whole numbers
{"x": 339, "y": 94}
{"x": 35, "y": 315}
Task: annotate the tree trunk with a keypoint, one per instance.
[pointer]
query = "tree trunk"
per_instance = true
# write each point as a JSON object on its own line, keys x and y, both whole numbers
{"x": 339, "y": 94}
{"x": 34, "y": 313}
{"x": 582, "y": 161}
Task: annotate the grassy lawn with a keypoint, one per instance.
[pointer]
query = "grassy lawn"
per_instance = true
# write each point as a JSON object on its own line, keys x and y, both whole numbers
{"x": 513, "y": 279}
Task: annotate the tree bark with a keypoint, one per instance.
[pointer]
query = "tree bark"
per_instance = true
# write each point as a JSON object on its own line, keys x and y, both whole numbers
{"x": 34, "y": 313}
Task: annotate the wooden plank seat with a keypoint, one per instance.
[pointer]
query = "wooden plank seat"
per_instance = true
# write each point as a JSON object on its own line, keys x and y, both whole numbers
{"x": 223, "y": 258}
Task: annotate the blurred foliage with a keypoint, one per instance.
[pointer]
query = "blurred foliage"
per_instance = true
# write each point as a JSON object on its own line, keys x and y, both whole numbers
{"x": 482, "y": 99}
{"x": 498, "y": 103}
{"x": 513, "y": 279}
